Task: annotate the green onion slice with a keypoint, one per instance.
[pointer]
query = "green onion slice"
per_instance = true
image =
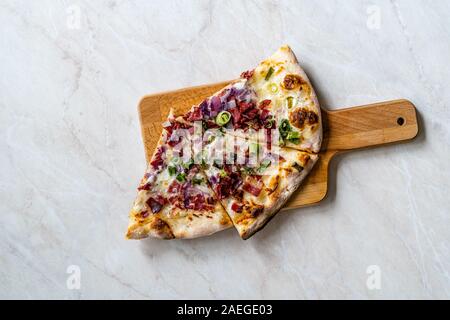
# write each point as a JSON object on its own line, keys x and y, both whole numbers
{"x": 176, "y": 160}
{"x": 285, "y": 127}
{"x": 223, "y": 118}
{"x": 269, "y": 73}
{"x": 290, "y": 102}
{"x": 294, "y": 137}
{"x": 196, "y": 181}
{"x": 264, "y": 165}
{"x": 222, "y": 173}
{"x": 188, "y": 164}
{"x": 181, "y": 177}
{"x": 254, "y": 148}
{"x": 172, "y": 170}
{"x": 211, "y": 139}
{"x": 273, "y": 87}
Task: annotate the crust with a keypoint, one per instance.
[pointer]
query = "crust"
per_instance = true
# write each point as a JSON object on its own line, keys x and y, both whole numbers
{"x": 286, "y": 54}
{"x": 191, "y": 225}
{"x": 202, "y": 224}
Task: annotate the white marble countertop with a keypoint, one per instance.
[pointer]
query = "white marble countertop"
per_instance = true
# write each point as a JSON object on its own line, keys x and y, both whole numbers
{"x": 71, "y": 75}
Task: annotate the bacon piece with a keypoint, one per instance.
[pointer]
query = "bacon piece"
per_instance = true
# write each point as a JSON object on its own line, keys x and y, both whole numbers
{"x": 265, "y": 103}
{"x": 144, "y": 187}
{"x": 264, "y": 115}
{"x": 156, "y": 203}
{"x": 157, "y": 159}
{"x": 253, "y": 185}
{"x": 176, "y": 200}
{"x": 195, "y": 114}
{"x": 244, "y": 106}
{"x": 174, "y": 187}
{"x": 228, "y": 185}
{"x": 236, "y": 116}
{"x": 247, "y": 74}
{"x": 236, "y": 207}
{"x": 254, "y": 190}
{"x": 251, "y": 114}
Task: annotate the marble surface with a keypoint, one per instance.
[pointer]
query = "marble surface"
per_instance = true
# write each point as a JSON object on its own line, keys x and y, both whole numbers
{"x": 71, "y": 75}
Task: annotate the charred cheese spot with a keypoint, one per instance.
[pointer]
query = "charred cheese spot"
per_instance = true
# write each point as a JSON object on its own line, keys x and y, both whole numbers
{"x": 306, "y": 90}
{"x": 225, "y": 220}
{"x": 301, "y": 117}
{"x": 250, "y": 211}
{"x": 143, "y": 215}
{"x": 273, "y": 185}
{"x": 305, "y": 159}
{"x": 292, "y": 81}
{"x": 257, "y": 211}
{"x": 287, "y": 170}
{"x": 162, "y": 228}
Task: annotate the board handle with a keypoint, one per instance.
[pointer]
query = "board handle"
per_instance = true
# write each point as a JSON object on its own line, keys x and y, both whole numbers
{"x": 369, "y": 125}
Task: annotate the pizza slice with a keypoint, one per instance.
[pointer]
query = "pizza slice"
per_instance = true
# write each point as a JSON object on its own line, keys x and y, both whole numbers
{"x": 276, "y": 98}
{"x": 174, "y": 199}
{"x": 284, "y": 89}
{"x": 251, "y": 181}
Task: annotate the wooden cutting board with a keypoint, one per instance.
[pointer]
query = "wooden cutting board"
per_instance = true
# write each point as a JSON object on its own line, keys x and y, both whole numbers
{"x": 344, "y": 130}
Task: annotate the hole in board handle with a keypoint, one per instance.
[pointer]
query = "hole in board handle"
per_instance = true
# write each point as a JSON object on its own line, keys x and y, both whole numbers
{"x": 400, "y": 121}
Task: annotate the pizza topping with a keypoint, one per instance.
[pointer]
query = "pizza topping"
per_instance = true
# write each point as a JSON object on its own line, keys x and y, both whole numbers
{"x": 236, "y": 207}
{"x": 257, "y": 211}
{"x": 287, "y": 133}
{"x": 226, "y": 185}
{"x": 303, "y": 116}
{"x": 197, "y": 181}
{"x": 196, "y": 202}
{"x": 194, "y": 115}
{"x": 144, "y": 214}
{"x": 181, "y": 177}
{"x": 172, "y": 170}
{"x": 298, "y": 167}
{"x": 247, "y": 74}
{"x": 223, "y": 173}
{"x": 252, "y": 187}
{"x": 291, "y": 102}
{"x": 284, "y": 128}
{"x": 294, "y": 137}
{"x": 269, "y": 74}
{"x": 223, "y": 118}
{"x": 156, "y": 203}
{"x": 188, "y": 165}
{"x": 144, "y": 187}
{"x": 264, "y": 165}
{"x": 273, "y": 87}
{"x": 292, "y": 81}
{"x": 174, "y": 187}
{"x": 265, "y": 103}
{"x": 269, "y": 123}
{"x": 158, "y": 161}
